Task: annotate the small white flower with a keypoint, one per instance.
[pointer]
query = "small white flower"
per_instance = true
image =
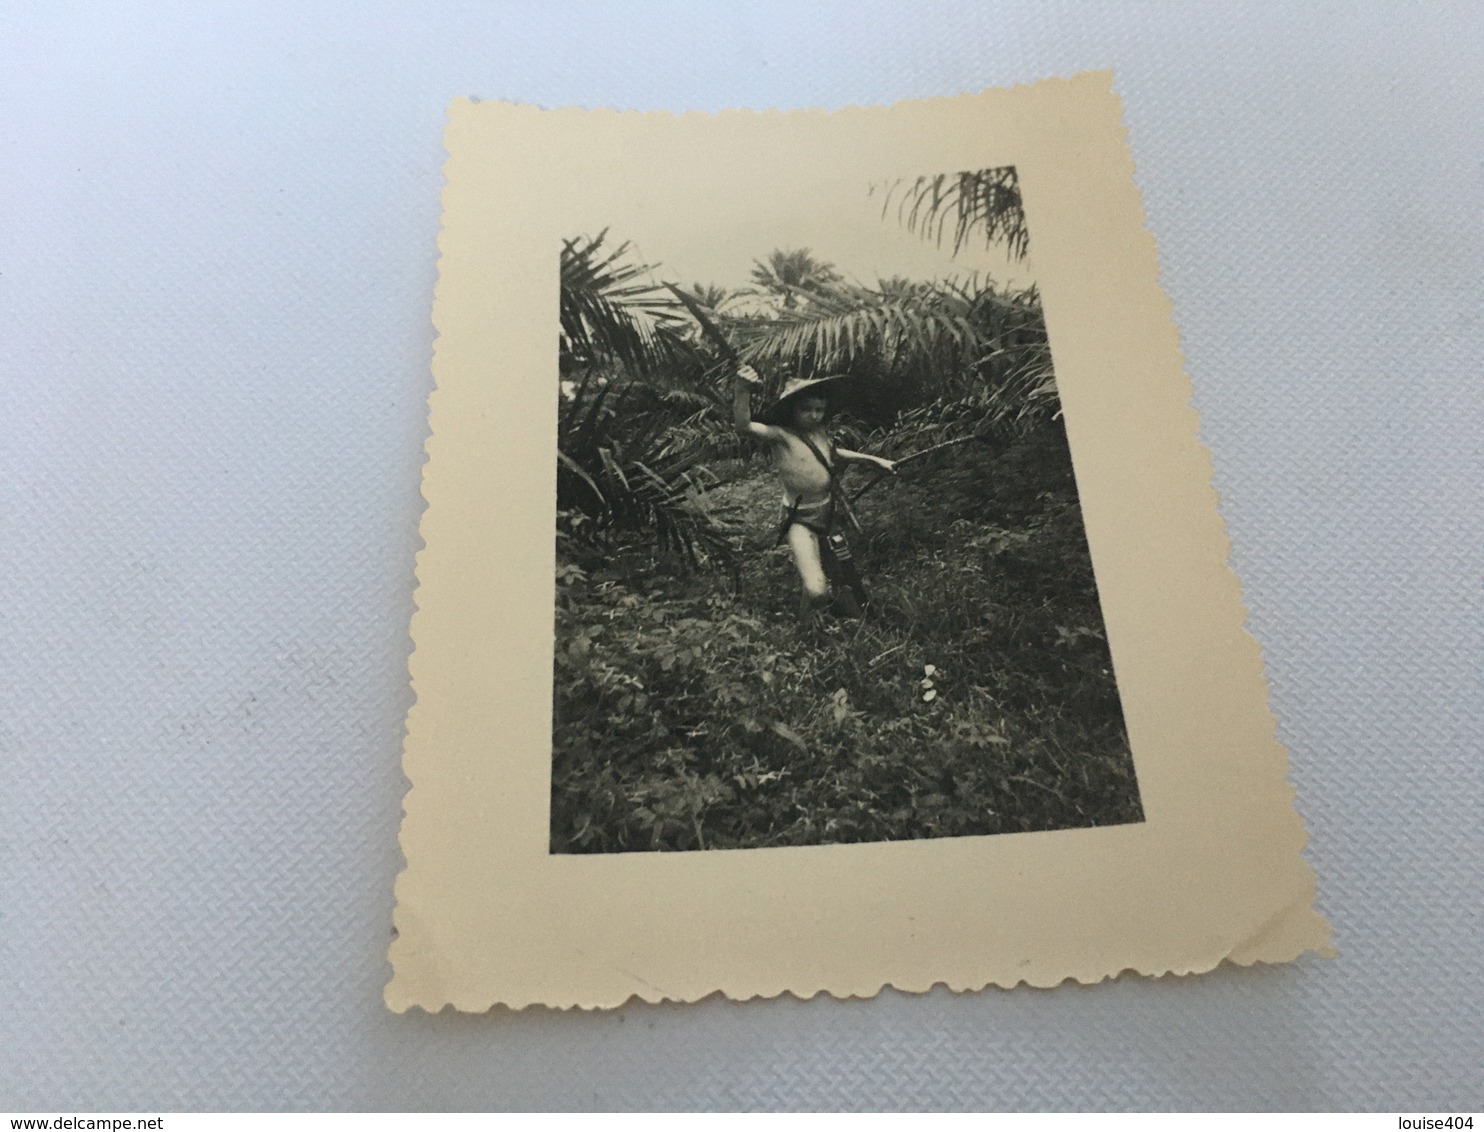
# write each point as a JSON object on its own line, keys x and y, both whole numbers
{"x": 930, "y": 695}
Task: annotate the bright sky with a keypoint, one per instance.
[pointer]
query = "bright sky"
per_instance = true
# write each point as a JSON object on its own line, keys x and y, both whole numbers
{"x": 711, "y": 229}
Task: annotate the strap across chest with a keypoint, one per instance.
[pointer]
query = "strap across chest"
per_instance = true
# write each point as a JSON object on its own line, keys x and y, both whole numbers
{"x": 818, "y": 455}
{"x": 838, "y": 498}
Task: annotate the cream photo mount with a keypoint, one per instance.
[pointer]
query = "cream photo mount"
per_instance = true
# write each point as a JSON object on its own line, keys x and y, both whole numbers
{"x": 486, "y": 915}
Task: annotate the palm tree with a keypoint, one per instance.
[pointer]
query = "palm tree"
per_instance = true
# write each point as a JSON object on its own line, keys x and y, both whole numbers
{"x": 625, "y": 361}
{"x": 709, "y": 295}
{"x": 789, "y": 273}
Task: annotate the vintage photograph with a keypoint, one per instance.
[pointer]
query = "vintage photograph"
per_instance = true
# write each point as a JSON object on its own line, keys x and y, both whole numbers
{"x": 821, "y": 569}
{"x": 823, "y": 587}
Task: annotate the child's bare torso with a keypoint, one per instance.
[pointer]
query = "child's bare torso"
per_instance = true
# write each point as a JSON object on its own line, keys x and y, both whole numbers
{"x": 799, "y": 470}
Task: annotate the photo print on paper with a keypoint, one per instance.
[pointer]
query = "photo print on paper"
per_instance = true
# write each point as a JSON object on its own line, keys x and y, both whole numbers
{"x": 821, "y": 569}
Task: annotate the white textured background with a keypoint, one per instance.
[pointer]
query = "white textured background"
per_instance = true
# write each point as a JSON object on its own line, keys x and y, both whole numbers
{"x": 217, "y": 228}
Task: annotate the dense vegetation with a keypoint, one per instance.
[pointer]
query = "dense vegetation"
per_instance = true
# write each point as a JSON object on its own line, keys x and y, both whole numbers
{"x": 692, "y": 709}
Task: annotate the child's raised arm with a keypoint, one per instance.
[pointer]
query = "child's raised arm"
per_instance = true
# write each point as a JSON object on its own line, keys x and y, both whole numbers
{"x": 747, "y": 378}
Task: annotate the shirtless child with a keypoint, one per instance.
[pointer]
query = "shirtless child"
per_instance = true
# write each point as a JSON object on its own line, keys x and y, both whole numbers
{"x": 814, "y": 508}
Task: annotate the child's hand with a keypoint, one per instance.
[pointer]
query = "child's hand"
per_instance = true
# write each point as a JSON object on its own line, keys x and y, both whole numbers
{"x": 749, "y": 375}
{"x": 887, "y": 465}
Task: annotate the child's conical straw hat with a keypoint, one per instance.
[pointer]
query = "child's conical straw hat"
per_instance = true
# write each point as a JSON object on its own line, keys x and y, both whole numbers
{"x": 779, "y": 411}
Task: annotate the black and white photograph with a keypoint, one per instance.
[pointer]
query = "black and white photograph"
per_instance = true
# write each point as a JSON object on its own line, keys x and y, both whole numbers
{"x": 823, "y": 586}
{"x": 821, "y": 570}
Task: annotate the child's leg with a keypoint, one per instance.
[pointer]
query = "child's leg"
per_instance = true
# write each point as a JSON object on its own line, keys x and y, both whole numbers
{"x": 804, "y": 545}
{"x": 839, "y": 568}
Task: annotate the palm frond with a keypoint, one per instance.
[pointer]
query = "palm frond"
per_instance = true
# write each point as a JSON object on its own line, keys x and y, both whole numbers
{"x": 621, "y": 472}
{"x": 914, "y": 343}
{"x": 835, "y": 332}
{"x": 612, "y": 312}
{"x": 983, "y": 204}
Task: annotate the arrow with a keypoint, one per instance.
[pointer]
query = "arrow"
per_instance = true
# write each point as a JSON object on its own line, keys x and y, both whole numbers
{"x": 909, "y": 458}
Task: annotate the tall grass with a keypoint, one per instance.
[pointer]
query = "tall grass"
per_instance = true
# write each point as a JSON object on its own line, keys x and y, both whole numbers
{"x": 693, "y": 711}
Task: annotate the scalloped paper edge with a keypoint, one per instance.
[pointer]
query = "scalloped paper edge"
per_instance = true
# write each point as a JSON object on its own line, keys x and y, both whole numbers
{"x": 485, "y": 916}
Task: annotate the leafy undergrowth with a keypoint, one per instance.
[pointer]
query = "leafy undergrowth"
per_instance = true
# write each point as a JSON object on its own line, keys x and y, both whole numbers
{"x": 974, "y": 697}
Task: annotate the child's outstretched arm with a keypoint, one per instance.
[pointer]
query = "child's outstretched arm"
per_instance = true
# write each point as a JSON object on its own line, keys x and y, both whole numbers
{"x": 866, "y": 458}
{"x": 747, "y": 380}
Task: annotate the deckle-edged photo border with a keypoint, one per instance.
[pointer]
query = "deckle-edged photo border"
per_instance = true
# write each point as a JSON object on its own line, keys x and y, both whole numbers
{"x": 486, "y": 915}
